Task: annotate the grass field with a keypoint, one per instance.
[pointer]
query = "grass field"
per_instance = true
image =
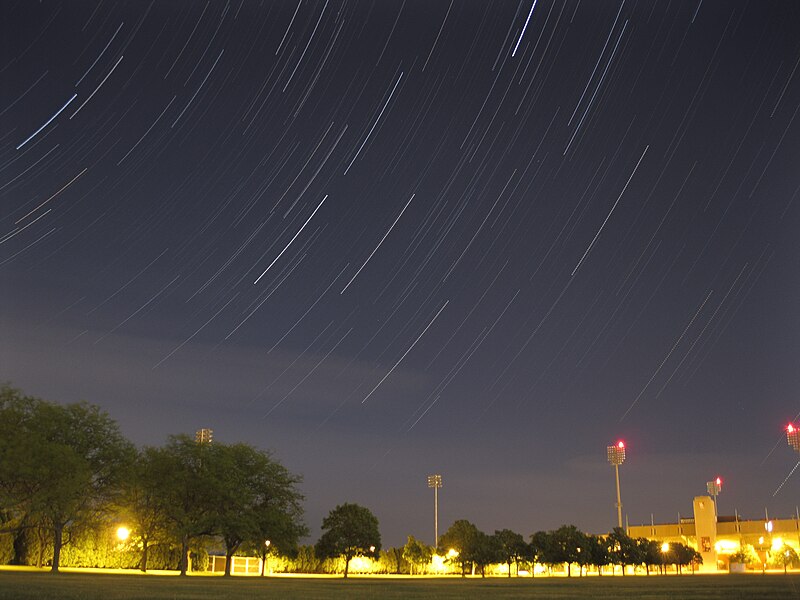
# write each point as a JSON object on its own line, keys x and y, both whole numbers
{"x": 23, "y": 585}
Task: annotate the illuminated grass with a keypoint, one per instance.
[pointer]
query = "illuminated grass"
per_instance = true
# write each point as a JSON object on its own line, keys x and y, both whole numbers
{"x": 26, "y": 584}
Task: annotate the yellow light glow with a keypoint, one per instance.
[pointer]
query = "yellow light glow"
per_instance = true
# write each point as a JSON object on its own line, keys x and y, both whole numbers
{"x": 452, "y": 553}
{"x": 777, "y": 543}
{"x": 665, "y": 547}
{"x": 726, "y": 546}
{"x": 123, "y": 533}
{"x": 437, "y": 564}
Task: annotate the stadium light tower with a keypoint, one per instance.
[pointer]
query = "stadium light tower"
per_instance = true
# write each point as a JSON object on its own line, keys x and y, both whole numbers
{"x": 435, "y": 482}
{"x": 616, "y": 456}
{"x": 714, "y": 488}
{"x": 793, "y": 437}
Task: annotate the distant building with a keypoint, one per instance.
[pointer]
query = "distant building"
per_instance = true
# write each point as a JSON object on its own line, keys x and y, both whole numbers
{"x": 716, "y": 538}
{"x": 204, "y": 436}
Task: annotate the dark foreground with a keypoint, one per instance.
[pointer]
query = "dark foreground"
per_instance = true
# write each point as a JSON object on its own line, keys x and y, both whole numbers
{"x": 20, "y": 585}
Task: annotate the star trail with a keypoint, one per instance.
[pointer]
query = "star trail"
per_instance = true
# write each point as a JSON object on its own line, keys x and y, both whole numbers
{"x": 391, "y": 238}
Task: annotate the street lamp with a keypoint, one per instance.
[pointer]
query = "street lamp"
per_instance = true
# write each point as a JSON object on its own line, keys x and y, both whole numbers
{"x": 265, "y": 562}
{"x": 616, "y": 456}
{"x": 714, "y": 488}
{"x": 435, "y": 482}
{"x": 123, "y": 533}
{"x": 664, "y": 550}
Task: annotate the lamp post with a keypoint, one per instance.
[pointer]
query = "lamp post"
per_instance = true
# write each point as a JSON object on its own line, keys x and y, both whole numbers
{"x": 714, "y": 488}
{"x": 435, "y": 482}
{"x": 265, "y": 563}
{"x": 616, "y": 456}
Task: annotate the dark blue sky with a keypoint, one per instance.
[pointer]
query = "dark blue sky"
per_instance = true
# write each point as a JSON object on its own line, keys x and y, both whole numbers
{"x": 389, "y": 239}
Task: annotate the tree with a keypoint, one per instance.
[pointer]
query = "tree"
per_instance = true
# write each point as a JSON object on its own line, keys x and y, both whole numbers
{"x": 567, "y": 542}
{"x": 143, "y": 503}
{"x": 543, "y": 549}
{"x": 684, "y": 555}
{"x": 746, "y": 555}
{"x": 188, "y": 481}
{"x": 598, "y": 554}
{"x": 785, "y": 557}
{"x": 650, "y": 552}
{"x": 512, "y": 547}
{"x": 417, "y": 553}
{"x": 282, "y": 527}
{"x": 349, "y": 530}
{"x": 623, "y": 549}
{"x": 486, "y": 552}
{"x": 60, "y": 465}
{"x": 462, "y": 539}
{"x": 257, "y": 500}
{"x": 394, "y": 559}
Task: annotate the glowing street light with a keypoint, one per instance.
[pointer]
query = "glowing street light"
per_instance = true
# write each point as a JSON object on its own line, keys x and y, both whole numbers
{"x": 265, "y": 562}
{"x": 616, "y": 456}
{"x": 123, "y": 533}
{"x": 664, "y": 550}
{"x": 435, "y": 482}
{"x": 714, "y": 488}
{"x": 793, "y": 437}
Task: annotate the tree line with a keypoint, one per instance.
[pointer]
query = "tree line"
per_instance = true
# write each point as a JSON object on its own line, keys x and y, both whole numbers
{"x": 67, "y": 473}
{"x": 471, "y": 549}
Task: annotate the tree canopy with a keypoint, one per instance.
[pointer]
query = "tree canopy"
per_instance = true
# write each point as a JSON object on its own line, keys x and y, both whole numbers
{"x": 511, "y": 547}
{"x": 61, "y": 465}
{"x": 349, "y": 530}
{"x": 417, "y": 553}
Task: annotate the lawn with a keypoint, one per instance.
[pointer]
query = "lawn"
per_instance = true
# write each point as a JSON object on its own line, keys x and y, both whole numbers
{"x": 22, "y": 585}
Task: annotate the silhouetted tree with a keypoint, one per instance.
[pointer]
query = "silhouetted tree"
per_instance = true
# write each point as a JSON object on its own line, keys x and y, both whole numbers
{"x": 349, "y": 530}
{"x": 624, "y": 550}
{"x": 512, "y": 547}
{"x": 650, "y": 553}
{"x": 597, "y": 549}
{"x": 461, "y": 537}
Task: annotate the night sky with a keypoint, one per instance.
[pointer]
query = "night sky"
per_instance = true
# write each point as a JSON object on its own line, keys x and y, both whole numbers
{"x": 386, "y": 239}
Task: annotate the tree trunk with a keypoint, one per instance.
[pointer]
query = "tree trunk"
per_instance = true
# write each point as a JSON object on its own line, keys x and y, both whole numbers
{"x": 41, "y": 538}
{"x": 143, "y": 564}
{"x": 58, "y": 537}
{"x": 509, "y": 569}
{"x": 184, "y": 566}
{"x": 20, "y": 547}
{"x": 569, "y": 570}
{"x": 228, "y": 561}
{"x": 346, "y": 565}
